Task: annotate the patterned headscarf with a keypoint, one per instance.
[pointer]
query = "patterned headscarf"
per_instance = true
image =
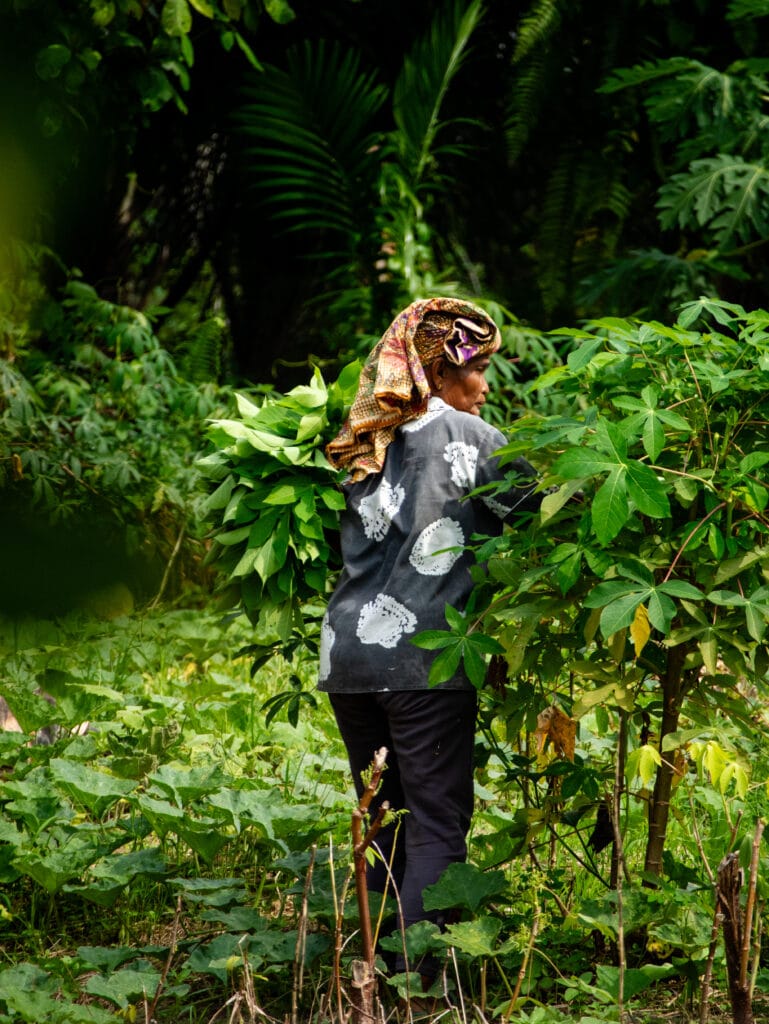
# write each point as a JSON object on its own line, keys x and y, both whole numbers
{"x": 393, "y": 388}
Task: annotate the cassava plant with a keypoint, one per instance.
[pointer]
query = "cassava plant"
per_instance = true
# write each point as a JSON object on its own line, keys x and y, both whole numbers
{"x": 641, "y": 588}
{"x": 275, "y": 501}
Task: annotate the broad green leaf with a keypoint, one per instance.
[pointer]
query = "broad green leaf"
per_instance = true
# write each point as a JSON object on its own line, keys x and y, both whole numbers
{"x": 753, "y": 462}
{"x": 445, "y": 664}
{"x": 708, "y": 647}
{"x": 123, "y": 987}
{"x": 553, "y": 503}
{"x": 271, "y": 556}
{"x": 474, "y": 663}
{"x": 50, "y": 62}
{"x": 646, "y": 490}
{"x": 250, "y": 807}
{"x": 653, "y": 436}
{"x": 605, "y": 592}
{"x": 661, "y": 610}
{"x": 176, "y": 17}
{"x": 581, "y": 463}
{"x": 621, "y": 612}
{"x": 96, "y": 790}
{"x": 582, "y": 354}
{"x": 203, "y": 7}
{"x": 635, "y": 979}
{"x": 680, "y": 588}
{"x": 162, "y": 815}
{"x": 107, "y": 958}
{"x": 476, "y": 938}
{"x": 455, "y": 619}
{"x": 732, "y": 566}
{"x": 643, "y": 763}
{"x": 727, "y": 598}
{"x": 464, "y": 885}
{"x": 610, "y": 510}
{"x": 434, "y": 639}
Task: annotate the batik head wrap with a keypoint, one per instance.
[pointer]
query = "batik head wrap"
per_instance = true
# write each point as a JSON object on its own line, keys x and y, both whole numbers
{"x": 393, "y": 388}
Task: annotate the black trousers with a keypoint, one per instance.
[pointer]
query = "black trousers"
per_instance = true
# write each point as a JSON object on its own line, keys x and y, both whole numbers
{"x": 430, "y": 735}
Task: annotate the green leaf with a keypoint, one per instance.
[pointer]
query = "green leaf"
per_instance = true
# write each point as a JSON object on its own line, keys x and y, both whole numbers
{"x": 661, "y": 611}
{"x": 643, "y": 763}
{"x": 635, "y": 979}
{"x": 477, "y": 938}
{"x": 582, "y": 354}
{"x": 610, "y": 509}
{"x": 445, "y": 664}
{"x": 176, "y": 17}
{"x": 123, "y": 987}
{"x": 203, "y": 7}
{"x": 580, "y": 463}
{"x": 621, "y": 612}
{"x": 733, "y": 566}
{"x": 434, "y": 639}
{"x": 50, "y": 62}
{"x": 456, "y": 620}
{"x": 474, "y": 663}
{"x": 280, "y": 11}
{"x": 466, "y": 886}
{"x": 96, "y": 790}
{"x": 680, "y": 588}
{"x": 646, "y": 490}
{"x": 554, "y": 502}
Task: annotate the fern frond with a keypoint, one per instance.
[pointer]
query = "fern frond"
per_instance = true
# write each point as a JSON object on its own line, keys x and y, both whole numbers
{"x": 537, "y": 26}
{"x": 648, "y": 71}
{"x": 524, "y": 102}
{"x": 424, "y": 80}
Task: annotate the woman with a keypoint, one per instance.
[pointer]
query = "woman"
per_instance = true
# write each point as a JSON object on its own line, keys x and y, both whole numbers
{"x": 415, "y": 447}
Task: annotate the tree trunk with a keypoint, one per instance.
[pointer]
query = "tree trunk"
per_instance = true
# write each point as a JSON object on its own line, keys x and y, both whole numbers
{"x": 672, "y": 696}
{"x": 728, "y": 900}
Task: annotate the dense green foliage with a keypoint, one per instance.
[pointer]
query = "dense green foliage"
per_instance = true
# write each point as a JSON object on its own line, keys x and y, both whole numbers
{"x": 98, "y": 437}
{"x": 203, "y": 202}
{"x": 564, "y": 161}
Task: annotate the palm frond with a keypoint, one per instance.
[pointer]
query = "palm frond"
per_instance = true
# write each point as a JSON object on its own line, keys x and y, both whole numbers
{"x": 309, "y": 140}
{"x": 424, "y": 80}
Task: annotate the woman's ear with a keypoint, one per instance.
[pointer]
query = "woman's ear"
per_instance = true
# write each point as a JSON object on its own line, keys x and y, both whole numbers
{"x": 436, "y": 374}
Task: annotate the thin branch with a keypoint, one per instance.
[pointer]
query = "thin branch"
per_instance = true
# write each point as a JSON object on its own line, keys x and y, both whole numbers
{"x": 750, "y": 904}
{"x": 169, "y": 566}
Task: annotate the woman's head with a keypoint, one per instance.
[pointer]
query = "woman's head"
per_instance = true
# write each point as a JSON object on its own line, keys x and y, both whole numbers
{"x": 463, "y": 387}
{"x": 434, "y": 346}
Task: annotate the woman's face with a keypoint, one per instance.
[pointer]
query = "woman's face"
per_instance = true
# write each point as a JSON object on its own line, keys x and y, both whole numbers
{"x": 462, "y": 387}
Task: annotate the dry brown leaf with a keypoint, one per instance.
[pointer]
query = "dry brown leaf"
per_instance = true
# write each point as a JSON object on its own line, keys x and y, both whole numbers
{"x": 556, "y": 726}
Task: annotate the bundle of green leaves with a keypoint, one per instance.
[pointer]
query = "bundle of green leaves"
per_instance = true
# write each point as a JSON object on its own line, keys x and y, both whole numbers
{"x": 276, "y": 503}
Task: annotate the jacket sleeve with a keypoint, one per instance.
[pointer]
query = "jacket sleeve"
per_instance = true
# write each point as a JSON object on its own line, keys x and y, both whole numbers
{"x": 518, "y": 478}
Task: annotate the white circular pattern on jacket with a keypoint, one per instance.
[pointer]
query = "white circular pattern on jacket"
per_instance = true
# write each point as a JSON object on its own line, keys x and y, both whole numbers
{"x": 383, "y": 621}
{"x": 327, "y": 637}
{"x": 463, "y": 459}
{"x": 496, "y": 506}
{"x": 378, "y": 509}
{"x": 429, "y": 555}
